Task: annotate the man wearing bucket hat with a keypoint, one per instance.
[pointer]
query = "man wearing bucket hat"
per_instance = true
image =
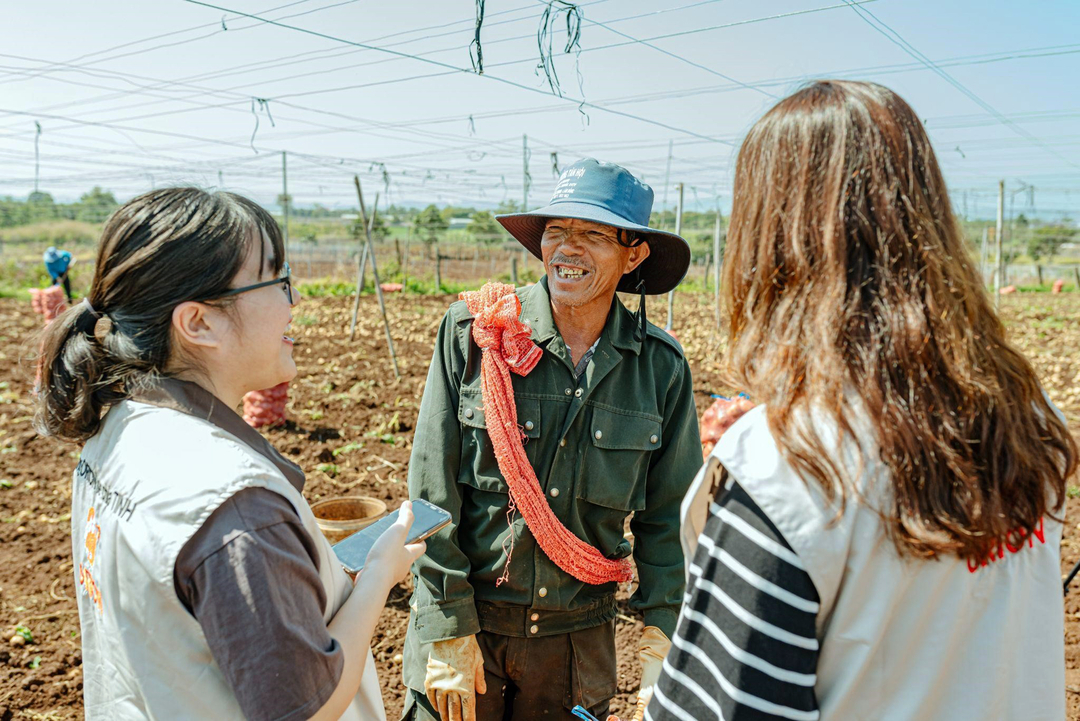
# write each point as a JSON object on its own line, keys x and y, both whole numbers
{"x": 551, "y": 415}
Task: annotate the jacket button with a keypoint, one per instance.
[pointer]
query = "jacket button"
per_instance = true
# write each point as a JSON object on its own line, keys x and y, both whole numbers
{"x": 529, "y": 426}
{"x": 653, "y": 439}
{"x": 577, "y": 393}
{"x": 542, "y": 592}
{"x": 554, "y": 492}
{"x": 468, "y": 412}
{"x": 535, "y": 617}
{"x": 562, "y": 442}
{"x": 599, "y": 435}
{"x": 569, "y": 392}
{"x": 534, "y": 629}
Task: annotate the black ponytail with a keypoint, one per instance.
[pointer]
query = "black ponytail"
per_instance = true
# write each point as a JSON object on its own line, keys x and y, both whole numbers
{"x": 157, "y": 251}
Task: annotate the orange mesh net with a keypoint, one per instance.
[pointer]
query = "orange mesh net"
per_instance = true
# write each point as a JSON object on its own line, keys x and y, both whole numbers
{"x": 507, "y": 347}
{"x": 266, "y": 407}
{"x": 49, "y": 302}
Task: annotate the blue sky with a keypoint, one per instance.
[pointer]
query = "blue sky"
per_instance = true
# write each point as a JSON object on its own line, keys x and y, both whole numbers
{"x": 181, "y": 109}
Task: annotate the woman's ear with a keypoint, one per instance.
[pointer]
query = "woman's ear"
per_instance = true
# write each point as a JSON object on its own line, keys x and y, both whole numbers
{"x": 197, "y": 325}
{"x": 637, "y": 256}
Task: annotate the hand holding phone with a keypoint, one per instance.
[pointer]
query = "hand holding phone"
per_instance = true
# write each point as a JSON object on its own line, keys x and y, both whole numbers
{"x": 384, "y": 541}
{"x": 392, "y": 554}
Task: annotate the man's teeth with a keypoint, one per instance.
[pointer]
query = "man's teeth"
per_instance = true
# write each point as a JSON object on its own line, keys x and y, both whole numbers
{"x": 565, "y": 272}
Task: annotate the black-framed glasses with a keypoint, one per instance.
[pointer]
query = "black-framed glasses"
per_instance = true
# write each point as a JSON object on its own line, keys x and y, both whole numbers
{"x": 284, "y": 280}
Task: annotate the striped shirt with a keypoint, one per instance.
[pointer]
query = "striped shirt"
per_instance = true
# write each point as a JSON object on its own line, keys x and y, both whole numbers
{"x": 746, "y": 645}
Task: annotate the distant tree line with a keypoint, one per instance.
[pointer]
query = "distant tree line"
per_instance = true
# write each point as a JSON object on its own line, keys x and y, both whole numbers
{"x": 93, "y": 207}
{"x": 1035, "y": 239}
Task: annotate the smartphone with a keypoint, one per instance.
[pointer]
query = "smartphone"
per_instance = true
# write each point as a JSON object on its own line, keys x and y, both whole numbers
{"x": 427, "y": 520}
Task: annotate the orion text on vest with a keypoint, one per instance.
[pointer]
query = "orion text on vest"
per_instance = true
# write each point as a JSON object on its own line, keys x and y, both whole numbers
{"x": 1014, "y": 541}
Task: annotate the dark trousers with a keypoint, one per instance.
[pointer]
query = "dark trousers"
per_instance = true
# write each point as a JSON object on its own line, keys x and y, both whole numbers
{"x": 539, "y": 678}
{"x": 66, "y": 282}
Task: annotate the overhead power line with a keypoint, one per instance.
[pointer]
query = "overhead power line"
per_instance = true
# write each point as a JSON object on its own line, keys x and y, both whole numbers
{"x": 895, "y": 38}
{"x": 528, "y": 60}
{"x": 454, "y": 69}
{"x": 294, "y": 59}
{"x": 954, "y": 122}
{"x": 173, "y": 33}
{"x": 244, "y": 98}
{"x": 680, "y": 58}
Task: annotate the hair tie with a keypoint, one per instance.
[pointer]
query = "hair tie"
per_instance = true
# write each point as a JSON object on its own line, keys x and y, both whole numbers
{"x": 102, "y": 328}
{"x": 86, "y": 302}
{"x": 103, "y": 324}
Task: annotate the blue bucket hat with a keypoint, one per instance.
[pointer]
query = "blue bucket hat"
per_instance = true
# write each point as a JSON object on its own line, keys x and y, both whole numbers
{"x": 608, "y": 194}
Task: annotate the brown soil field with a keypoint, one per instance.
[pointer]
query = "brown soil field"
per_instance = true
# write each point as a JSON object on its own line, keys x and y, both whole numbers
{"x": 351, "y": 428}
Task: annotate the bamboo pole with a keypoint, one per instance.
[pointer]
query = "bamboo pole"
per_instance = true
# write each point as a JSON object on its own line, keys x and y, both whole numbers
{"x": 375, "y": 275}
{"x": 716, "y": 267}
{"x": 362, "y": 267}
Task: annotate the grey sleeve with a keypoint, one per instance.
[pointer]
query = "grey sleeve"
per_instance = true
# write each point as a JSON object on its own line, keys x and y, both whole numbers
{"x": 250, "y": 577}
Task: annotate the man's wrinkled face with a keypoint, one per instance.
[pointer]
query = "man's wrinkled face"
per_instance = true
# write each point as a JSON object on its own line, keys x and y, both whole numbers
{"x": 584, "y": 260}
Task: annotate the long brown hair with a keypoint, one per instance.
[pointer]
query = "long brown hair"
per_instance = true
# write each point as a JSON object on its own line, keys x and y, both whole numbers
{"x": 156, "y": 251}
{"x": 847, "y": 277}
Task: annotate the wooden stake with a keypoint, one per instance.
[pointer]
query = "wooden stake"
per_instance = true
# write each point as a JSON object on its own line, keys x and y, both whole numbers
{"x": 375, "y": 275}
{"x": 285, "y": 199}
{"x": 999, "y": 275}
{"x": 361, "y": 281}
{"x": 405, "y": 270}
{"x": 361, "y": 269}
{"x": 363, "y": 261}
{"x": 716, "y": 266}
{"x": 678, "y": 231}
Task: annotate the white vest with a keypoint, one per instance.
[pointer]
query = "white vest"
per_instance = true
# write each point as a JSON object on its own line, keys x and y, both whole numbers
{"x": 906, "y": 638}
{"x": 144, "y": 485}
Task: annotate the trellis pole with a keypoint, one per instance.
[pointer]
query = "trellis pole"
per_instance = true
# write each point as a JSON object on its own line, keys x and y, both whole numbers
{"x": 716, "y": 266}
{"x": 678, "y": 232}
{"x": 375, "y": 275}
{"x": 361, "y": 269}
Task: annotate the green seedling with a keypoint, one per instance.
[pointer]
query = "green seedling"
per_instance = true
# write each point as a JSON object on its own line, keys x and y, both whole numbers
{"x": 347, "y": 448}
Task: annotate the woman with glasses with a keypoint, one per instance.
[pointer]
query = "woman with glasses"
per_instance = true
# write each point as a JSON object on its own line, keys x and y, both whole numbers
{"x": 205, "y": 588}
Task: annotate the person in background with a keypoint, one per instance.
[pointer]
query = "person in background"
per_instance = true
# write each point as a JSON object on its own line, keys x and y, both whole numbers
{"x": 205, "y": 588}
{"x": 879, "y": 538}
{"x": 58, "y": 263}
{"x": 513, "y": 612}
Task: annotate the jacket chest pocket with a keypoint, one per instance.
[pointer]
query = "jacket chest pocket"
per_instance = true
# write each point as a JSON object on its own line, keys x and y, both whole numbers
{"x": 617, "y": 459}
{"x": 480, "y": 468}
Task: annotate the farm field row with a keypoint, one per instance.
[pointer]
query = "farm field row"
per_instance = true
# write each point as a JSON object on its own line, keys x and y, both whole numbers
{"x": 351, "y": 429}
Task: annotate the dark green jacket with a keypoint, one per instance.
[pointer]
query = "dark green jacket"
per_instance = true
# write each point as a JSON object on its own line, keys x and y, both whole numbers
{"x": 621, "y": 440}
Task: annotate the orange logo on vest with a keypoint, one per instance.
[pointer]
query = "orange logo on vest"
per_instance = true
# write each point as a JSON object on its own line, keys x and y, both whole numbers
{"x": 86, "y": 580}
